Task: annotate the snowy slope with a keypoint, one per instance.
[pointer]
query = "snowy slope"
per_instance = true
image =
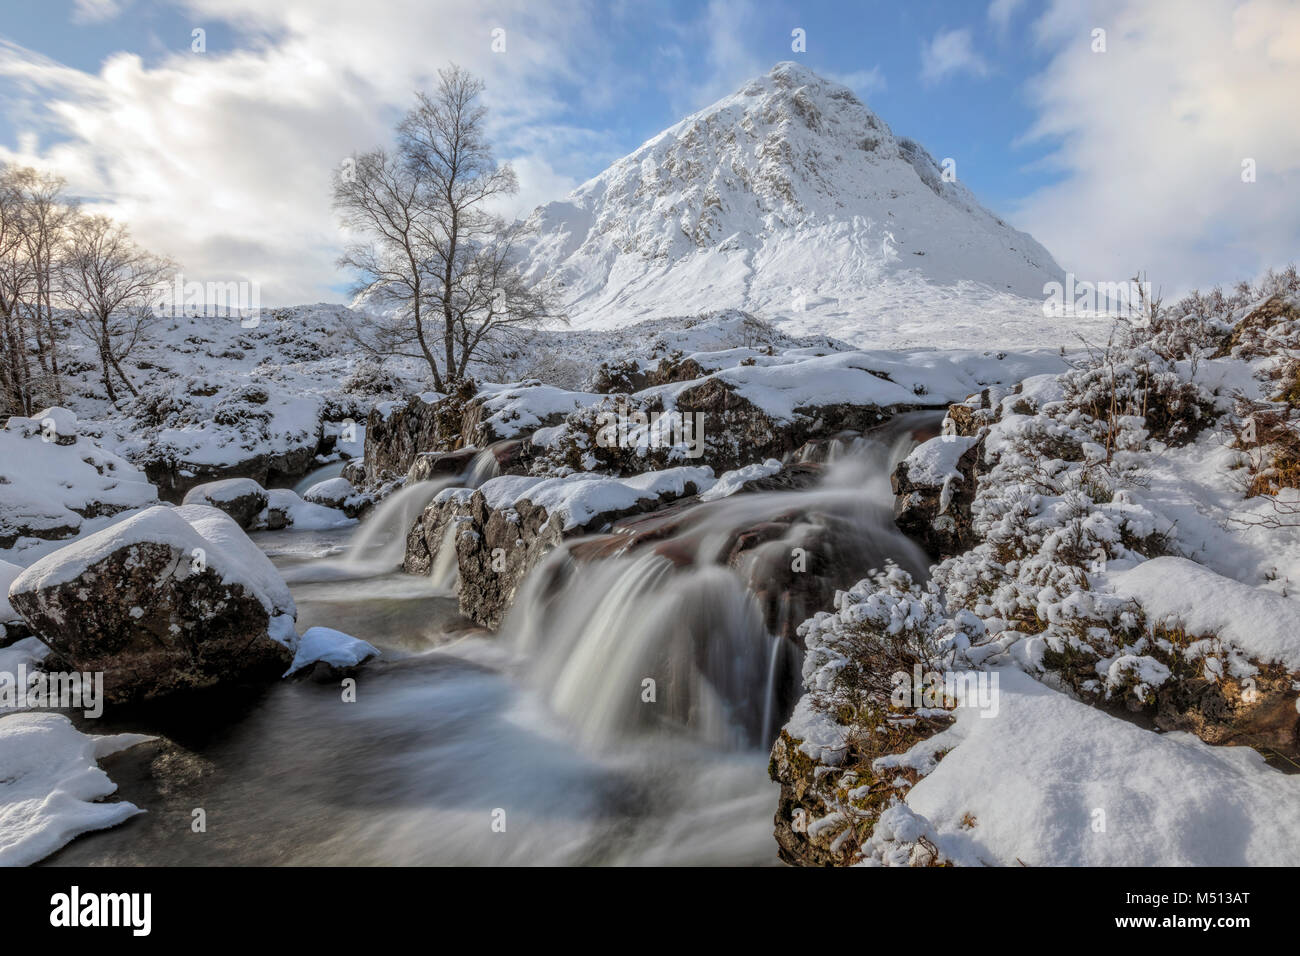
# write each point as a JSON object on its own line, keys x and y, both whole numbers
{"x": 794, "y": 201}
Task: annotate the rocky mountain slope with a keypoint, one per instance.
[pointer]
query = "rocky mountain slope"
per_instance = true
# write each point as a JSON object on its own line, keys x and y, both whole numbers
{"x": 791, "y": 199}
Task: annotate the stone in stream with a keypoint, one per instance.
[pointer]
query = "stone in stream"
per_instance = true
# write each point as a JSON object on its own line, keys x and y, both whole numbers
{"x": 337, "y": 493}
{"x": 168, "y": 600}
{"x": 241, "y": 498}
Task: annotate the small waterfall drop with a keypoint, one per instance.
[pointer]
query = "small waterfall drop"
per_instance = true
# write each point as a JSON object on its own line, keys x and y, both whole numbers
{"x": 673, "y": 636}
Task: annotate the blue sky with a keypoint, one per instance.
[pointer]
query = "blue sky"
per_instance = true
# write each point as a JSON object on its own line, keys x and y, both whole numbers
{"x": 1123, "y": 160}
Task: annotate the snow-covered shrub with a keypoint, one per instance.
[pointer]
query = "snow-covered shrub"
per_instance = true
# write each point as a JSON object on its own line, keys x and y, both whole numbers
{"x": 842, "y": 748}
{"x": 370, "y": 379}
{"x": 883, "y": 625}
{"x": 1129, "y": 380}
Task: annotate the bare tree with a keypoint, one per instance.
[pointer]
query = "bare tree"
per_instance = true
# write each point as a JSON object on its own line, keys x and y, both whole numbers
{"x": 381, "y": 197}
{"x": 109, "y": 284}
{"x": 434, "y": 248}
{"x": 45, "y": 230}
{"x": 15, "y": 287}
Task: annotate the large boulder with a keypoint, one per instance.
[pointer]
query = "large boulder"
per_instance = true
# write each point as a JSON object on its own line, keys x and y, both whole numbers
{"x": 168, "y": 600}
{"x": 241, "y": 498}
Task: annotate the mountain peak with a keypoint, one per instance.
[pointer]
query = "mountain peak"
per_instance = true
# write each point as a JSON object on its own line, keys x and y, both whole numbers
{"x": 789, "y": 198}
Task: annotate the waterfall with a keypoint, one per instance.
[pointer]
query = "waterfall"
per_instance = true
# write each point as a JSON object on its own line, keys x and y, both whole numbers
{"x": 642, "y": 643}
{"x": 380, "y": 543}
{"x": 317, "y": 475}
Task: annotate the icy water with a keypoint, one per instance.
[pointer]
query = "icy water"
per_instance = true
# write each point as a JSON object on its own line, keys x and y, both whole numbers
{"x": 531, "y": 746}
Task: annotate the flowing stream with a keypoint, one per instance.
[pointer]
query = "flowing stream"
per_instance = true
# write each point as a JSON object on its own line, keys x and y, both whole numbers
{"x": 536, "y": 745}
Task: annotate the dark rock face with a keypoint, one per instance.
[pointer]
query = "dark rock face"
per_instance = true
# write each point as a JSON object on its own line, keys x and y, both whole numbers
{"x": 797, "y": 774}
{"x": 154, "y": 625}
{"x": 395, "y": 436}
{"x": 725, "y": 429}
{"x": 1223, "y": 712}
{"x": 737, "y": 432}
{"x": 938, "y": 516}
{"x": 440, "y": 464}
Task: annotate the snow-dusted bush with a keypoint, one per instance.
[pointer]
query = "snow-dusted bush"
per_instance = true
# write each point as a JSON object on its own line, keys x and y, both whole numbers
{"x": 369, "y": 379}
{"x": 1128, "y": 380}
{"x": 883, "y": 625}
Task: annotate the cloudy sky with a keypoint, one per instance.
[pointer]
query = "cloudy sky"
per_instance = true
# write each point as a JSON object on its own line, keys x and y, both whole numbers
{"x": 221, "y": 157}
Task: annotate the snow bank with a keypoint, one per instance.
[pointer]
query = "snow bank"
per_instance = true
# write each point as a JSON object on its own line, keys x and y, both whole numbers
{"x": 50, "y": 788}
{"x": 1263, "y": 624}
{"x": 52, "y": 484}
{"x": 1050, "y": 781}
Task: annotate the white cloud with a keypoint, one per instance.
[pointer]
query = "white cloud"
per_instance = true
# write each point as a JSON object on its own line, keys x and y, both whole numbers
{"x": 223, "y": 160}
{"x": 862, "y": 82}
{"x": 1001, "y": 12}
{"x": 95, "y": 11}
{"x": 1152, "y": 134}
{"x": 950, "y": 52}
{"x": 727, "y": 61}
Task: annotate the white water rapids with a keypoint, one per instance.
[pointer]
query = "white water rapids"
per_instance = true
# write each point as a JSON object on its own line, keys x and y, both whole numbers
{"x": 544, "y": 726}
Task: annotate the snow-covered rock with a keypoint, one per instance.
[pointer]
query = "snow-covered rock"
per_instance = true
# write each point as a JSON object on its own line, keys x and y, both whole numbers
{"x": 336, "y": 650}
{"x": 733, "y": 481}
{"x": 338, "y": 494}
{"x": 285, "y": 509}
{"x": 934, "y": 487}
{"x": 502, "y": 530}
{"x": 169, "y": 599}
{"x": 241, "y": 498}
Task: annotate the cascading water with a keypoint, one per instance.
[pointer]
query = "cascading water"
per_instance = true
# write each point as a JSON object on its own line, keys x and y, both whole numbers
{"x": 551, "y": 721}
{"x": 379, "y": 545}
{"x": 673, "y": 636}
{"x": 317, "y": 475}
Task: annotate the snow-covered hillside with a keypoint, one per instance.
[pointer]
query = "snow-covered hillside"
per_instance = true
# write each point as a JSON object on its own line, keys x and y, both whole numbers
{"x": 792, "y": 200}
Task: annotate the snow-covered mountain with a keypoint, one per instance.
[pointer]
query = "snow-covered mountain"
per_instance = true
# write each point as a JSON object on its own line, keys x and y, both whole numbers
{"x": 794, "y": 201}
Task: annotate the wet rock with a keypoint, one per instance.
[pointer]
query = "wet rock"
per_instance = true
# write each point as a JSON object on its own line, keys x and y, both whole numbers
{"x": 499, "y": 534}
{"x": 440, "y": 464}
